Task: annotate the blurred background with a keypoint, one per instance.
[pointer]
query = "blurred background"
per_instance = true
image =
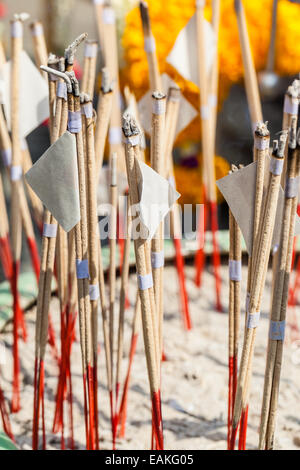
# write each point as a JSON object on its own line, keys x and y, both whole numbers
{"x": 64, "y": 19}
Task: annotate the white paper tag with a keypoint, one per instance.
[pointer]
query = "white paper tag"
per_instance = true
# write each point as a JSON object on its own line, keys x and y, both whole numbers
{"x": 276, "y": 166}
{"x": 91, "y": 50}
{"x": 61, "y": 90}
{"x": 34, "y": 103}
{"x": 54, "y": 178}
{"x": 157, "y": 259}
{"x": 74, "y": 122}
{"x": 108, "y": 16}
{"x": 291, "y": 187}
{"x": 158, "y": 106}
{"x": 261, "y": 144}
{"x": 115, "y": 135}
{"x": 184, "y": 55}
{"x": 94, "y": 291}
{"x": 16, "y": 29}
{"x": 16, "y": 172}
{"x": 235, "y": 270}
{"x": 277, "y": 330}
{"x": 37, "y": 30}
{"x": 145, "y": 282}
{"x": 253, "y": 319}
{"x": 87, "y": 110}
{"x": 82, "y": 269}
{"x": 50, "y": 230}
{"x": 149, "y": 44}
{"x": 290, "y": 105}
{"x": 6, "y": 156}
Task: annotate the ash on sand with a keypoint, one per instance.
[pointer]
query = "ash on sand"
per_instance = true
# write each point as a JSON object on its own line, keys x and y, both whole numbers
{"x": 194, "y": 377}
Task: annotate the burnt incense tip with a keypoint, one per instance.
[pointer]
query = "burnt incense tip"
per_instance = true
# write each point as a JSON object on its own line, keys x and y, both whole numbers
{"x": 52, "y": 59}
{"x": 275, "y": 147}
{"x": 261, "y": 129}
{"x": 293, "y": 133}
{"x": 174, "y": 93}
{"x": 106, "y": 84}
{"x": 145, "y": 17}
{"x": 72, "y": 48}
{"x": 129, "y": 125}
{"x": 298, "y": 137}
{"x": 237, "y": 6}
{"x": 158, "y": 95}
{"x": 85, "y": 98}
{"x": 21, "y": 17}
{"x": 293, "y": 90}
{"x": 281, "y": 144}
{"x": 234, "y": 168}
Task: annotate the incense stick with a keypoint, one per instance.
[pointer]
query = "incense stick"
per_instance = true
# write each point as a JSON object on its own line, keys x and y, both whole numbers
{"x": 142, "y": 252}
{"x": 249, "y": 69}
{"x": 150, "y": 49}
{"x": 104, "y": 108}
{"x": 39, "y": 46}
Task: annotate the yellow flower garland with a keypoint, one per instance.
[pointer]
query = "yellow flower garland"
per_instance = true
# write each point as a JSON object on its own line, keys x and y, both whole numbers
{"x": 169, "y": 17}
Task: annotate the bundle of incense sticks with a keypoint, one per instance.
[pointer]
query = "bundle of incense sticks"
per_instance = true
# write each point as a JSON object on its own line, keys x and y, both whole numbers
{"x": 265, "y": 207}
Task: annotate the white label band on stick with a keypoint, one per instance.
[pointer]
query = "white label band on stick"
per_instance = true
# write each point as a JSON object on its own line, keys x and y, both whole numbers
{"x": 94, "y": 291}
{"x": 253, "y": 319}
{"x": 74, "y": 122}
{"x": 235, "y": 270}
{"x": 145, "y": 282}
{"x": 98, "y": 2}
{"x": 261, "y": 144}
{"x": 108, "y": 16}
{"x": 204, "y": 112}
{"x": 157, "y": 259}
{"x": 158, "y": 106}
{"x": 212, "y": 101}
{"x": 276, "y": 166}
{"x": 16, "y": 172}
{"x": 290, "y": 105}
{"x": 115, "y": 135}
{"x": 133, "y": 140}
{"x": 16, "y": 29}
{"x": 87, "y": 110}
{"x": 61, "y": 90}
{"x": 82, "y": 269}
{"x": 6, "y": 157}
{"x": 171, "y": 180}
{"x": 277, "y": 330}
{"x": 50, "y": 230}
{"x": 291, "y": 187}
{"x": 37, "y": 30}
{"x": 149, "y": 44}
{"x": 91, "y": 50}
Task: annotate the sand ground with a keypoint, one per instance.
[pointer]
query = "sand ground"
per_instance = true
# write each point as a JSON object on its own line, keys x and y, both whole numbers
{"x": 194, "y": 378}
